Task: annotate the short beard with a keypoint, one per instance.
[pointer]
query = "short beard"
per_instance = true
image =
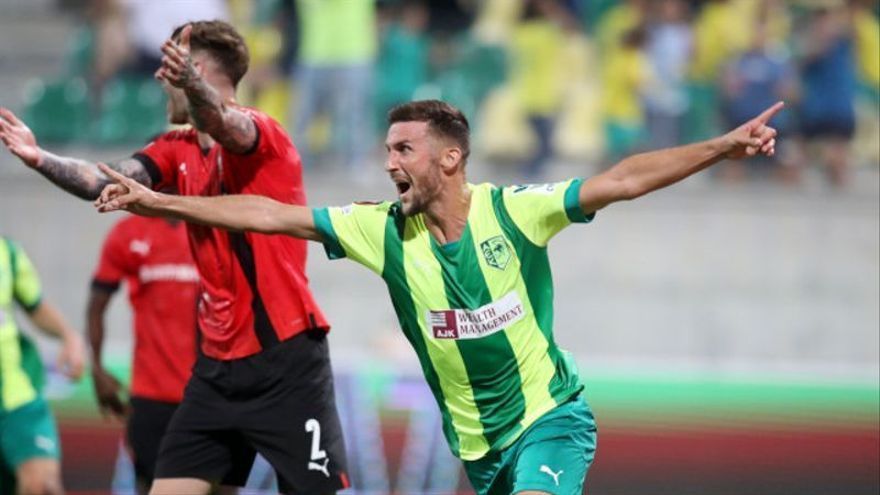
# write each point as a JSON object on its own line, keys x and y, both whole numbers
{"x": 430, "y": 191}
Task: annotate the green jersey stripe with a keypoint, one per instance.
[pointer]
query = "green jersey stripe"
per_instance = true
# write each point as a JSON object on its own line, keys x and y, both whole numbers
{"x": 321, "y": 217}
{"x": 424, "y": 277}
{"x": 535, "y": 270}
{"x": 490, "y": 361}
{"x": 534, "y": 367}
{"x": 405, "y": 308}
{"x": 573, "y": 209}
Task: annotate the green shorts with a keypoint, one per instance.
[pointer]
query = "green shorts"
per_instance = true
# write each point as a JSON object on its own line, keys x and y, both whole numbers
{"x": 552, "y": 455}
{"x": 26, "y": 433}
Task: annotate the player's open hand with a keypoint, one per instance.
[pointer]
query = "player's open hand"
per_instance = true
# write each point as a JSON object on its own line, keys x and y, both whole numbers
{"x": 18, "y": 138}
{"x": 108, "y": 392}
{"x": 177, "y": 67}
{"x": 124, "y": 194}
{"x": 754, "y": 137}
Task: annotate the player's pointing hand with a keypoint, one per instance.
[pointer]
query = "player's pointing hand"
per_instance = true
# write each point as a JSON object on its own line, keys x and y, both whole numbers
{"x": 124, "y": 194}
{"x": 754, "y": 137}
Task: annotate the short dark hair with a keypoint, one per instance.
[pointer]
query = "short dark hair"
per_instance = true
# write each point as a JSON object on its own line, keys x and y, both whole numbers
{"x": 443, "y": 119}
{"x": 223, "y": 43}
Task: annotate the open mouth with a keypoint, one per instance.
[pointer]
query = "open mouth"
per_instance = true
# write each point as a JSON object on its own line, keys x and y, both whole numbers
{"x": 402, "y": 187}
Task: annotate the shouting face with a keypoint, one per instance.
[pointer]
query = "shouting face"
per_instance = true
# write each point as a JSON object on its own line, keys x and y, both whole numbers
{"x": 413, "y": 164}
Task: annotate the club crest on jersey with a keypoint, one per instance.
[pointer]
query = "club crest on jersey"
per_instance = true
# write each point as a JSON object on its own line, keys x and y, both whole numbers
{"x": 496, "y": 252}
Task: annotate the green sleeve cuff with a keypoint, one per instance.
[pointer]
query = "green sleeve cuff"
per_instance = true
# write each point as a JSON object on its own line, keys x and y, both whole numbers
{"x": 324, "y": 225}
{"x": 573, "y": 204}
{"x": 30, "y": 308}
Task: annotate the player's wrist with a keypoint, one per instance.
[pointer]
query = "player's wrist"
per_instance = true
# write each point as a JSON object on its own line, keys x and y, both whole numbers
{"x": 39, "y": 161}
{"x": 723, "y": 146}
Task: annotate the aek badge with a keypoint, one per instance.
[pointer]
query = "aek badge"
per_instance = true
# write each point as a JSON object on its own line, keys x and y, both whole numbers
{"x": 496, "y": 252}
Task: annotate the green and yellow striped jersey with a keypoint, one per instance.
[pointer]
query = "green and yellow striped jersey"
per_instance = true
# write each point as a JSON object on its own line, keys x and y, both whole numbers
{"x": 478, "y": 311}
{"x": 21, "y": 372}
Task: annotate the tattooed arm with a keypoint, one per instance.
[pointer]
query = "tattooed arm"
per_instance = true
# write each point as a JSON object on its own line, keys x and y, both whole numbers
{"x": 232, "y": 128}
{"x": 78, "y": 177}
{"x": 82, "y": 178}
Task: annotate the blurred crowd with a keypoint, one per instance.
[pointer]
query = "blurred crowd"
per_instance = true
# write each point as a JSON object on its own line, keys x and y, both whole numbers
{"x": 541, "y": 80}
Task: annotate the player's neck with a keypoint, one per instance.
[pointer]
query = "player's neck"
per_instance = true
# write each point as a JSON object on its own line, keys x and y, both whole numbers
{"x": 446, "y": 216}
{"x": 206, "y": 142}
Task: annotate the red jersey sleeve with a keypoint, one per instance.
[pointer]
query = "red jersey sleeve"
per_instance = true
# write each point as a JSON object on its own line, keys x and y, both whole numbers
{"x": 159, "y": 158}
{"x": 271, "y": 140}
{"x": 116, "y": 261}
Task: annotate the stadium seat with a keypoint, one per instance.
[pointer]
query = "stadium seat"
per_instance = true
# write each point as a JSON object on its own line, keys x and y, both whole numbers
{"x": 80, "y": 53}
{"x": 57, "y": 111}
{"x": 132, "y": 111}
{"x": 483, "y": 65}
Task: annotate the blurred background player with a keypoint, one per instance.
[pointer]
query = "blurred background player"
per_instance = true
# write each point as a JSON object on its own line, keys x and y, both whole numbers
{"x": 752, "y": 81}
{"x": 334, "y": 77}
{"x": 152, "y": 256}
{"x": 827, "y": 112}
{"x": 29, "y": 446}
{"x": 262, "y": 382}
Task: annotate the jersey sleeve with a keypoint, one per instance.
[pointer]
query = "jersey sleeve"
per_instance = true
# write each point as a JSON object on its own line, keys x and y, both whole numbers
{"x": 540, "y": 211}
{"x": 356, "y": 231}
{"x": 158, "y": 158}
{"x": 115, "y": 262}
{"x": 26, "y": 284}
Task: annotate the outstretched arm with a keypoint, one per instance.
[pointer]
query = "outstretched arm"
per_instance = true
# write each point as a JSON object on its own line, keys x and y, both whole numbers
{"x": 78, "y": 177}
{"x": 235, "y": 212}
{"x": 640, "y": 174}
{"x": 227, "y": 125}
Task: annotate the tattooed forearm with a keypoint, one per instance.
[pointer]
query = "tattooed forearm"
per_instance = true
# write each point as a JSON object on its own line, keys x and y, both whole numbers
{"x": 205, "y": 105}
{"x": 234, "y": 130}
{"x": 82, "y": 178}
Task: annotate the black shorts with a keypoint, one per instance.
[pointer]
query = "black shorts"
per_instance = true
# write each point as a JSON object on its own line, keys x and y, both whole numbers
{"x": 146, "y": 426}
{"x": 279, "y": 403}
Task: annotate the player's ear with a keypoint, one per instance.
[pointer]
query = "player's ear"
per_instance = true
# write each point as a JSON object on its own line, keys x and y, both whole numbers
{"x": 199, "y": 64}
{"x": 450, "y": 161}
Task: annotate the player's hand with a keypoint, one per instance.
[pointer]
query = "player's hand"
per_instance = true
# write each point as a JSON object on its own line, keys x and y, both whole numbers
{"x": 72, "y": 358}
{"x": 124, "y": 194}
{"x": 754, "y": 137}
{"x": 18, "y": 138}
{"x": 177, "y": 67}
{"x": 108, "y": 394}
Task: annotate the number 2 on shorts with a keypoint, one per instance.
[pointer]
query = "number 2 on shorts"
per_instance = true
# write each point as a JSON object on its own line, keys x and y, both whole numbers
{"x": 314, "y": 427}
{"x": 317, "y": 454}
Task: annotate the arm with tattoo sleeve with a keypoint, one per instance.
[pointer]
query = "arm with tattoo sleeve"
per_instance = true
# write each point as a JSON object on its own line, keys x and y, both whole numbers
{"x": 78, "y": 177}
{"x": 232, "y": 128}
{"x": 82, "y": 178}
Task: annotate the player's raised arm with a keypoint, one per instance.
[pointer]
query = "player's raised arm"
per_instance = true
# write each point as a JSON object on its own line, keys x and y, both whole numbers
{"x": 233, "y": 212}
{"x": 78, "y": 177}
{"x": 640, "y": 174}
{"x": 208, "y": 109}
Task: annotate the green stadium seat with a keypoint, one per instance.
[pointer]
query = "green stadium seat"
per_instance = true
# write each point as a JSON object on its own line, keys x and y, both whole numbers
{"x": 80, "y": 53}
{"x": 132, "y": 111}
{"x": 57, "y": 111}
{"x": 483, "y": 65}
